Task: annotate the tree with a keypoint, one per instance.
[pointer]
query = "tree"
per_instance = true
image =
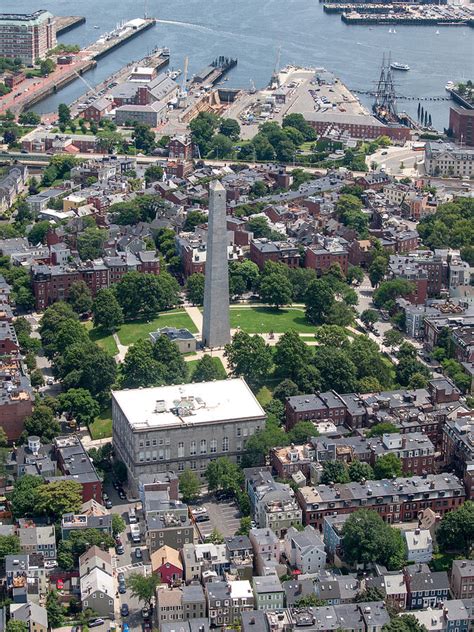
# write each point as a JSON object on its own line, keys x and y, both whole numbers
{"x": 332, "y": 336}
{"x": 193, "y": 219}
{"x": 230, "y": 127}
{"x": 207, "y": 370}
{"x": 404, "y": 623}
{"x": 224, "y": 475}
{"x": 368, "y": 539}
{"x": 153, "y": 173}
{"x": 23, "y": 497}
{"x": 456, "y": 529}
{"x": 142, "y": 294}
{"x": 56, "y": 611}
{"x": 408, "y": 367}
{"x": 384, "y": 427}
{"x": 371, "y": 593}
{"x": 319, "y": 301}
{"x": 143, "y": 137}
{"x": 359, "y": 471}
{"x": 369, "y": 317}
{"x": 37, "y": 234}
{"x": 120, "y": 471}
{"x": 309, "y": 601}
{"x": 392, "y": 338}
{"x": 292, "y": 356}
{"x": 297, "y": 121}
{"x": 215, "y": 537}
{"x": 143, "y": 587}
{"x": 286, "y": 388}
{"x": 90, "y": 243}
{"x": 195, "y": 288}
{"x": 88, "y": 366}
{"x": 15, "y": 625}
{"x": 249, "y": 356}
{"x": 302, "y": 432}
{"x": 377, "y": 270}
{"x": 245, "y": 526}
{"x": 189, "y": 486}
{"x": 388, "y": 466}
{"x": 334, "y": 472}
{"x": 388, "y": 291}
{"x": 202, "y": 129}
{"x": 220, "y": 146}
{"x": 9, "y": 545}
{"x": 64, "y": 114}
{"x": 29, "y": 118}
{"x": 276, "y": 290}
{"x": 300, "y": 279}
{"x": 80, "y": 297}
{"x": 337, "y": 370}
{"x": 42, "y": 423}
{"x": 259, "y": 189}
{"x": 79, "y": 403}
{"x": 59, "y": 497}
{"x": 118, "y": 524}
{"x": 106, "y": 310}
{"x": 354, "y": 273}
{"x": 36, "y": 378}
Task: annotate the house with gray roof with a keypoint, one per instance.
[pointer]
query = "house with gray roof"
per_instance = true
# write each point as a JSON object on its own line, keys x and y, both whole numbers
{"x": 35, "y": 539}
{"x": 35, "y": 616}
{"x": 269, "y": 593}
{"x": 304, "y": 550}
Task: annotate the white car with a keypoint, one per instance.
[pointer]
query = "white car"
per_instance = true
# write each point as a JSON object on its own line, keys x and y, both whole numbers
{"x": 50, "y": 563}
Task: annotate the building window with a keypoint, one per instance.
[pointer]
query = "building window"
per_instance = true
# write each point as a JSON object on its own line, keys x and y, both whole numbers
{"x": 192, "y": 448}
{"x": 213, "y": 445}
{"x": 181, "y": 449}
{"x": 203, "y": 446}
{"x": 180, "y": 466}
{"x": 225, "y": 444}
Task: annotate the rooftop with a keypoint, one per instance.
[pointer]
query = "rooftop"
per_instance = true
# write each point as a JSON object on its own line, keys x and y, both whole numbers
{"x": 188, "y": 404}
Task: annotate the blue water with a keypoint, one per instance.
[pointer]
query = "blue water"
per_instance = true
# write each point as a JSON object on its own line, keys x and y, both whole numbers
{"x": 253, "y": 32}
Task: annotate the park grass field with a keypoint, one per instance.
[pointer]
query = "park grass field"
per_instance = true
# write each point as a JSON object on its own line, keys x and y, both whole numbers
{"x": 258, "y": 320}
{"x": 101, "y": 428}
{"x": 139, "y": 329}
{"x": 193, "y": 363}
{"x": 103, "y": 339}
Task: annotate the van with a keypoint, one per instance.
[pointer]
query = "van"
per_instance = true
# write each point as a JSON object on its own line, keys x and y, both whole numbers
{"x": 132, "y": 516}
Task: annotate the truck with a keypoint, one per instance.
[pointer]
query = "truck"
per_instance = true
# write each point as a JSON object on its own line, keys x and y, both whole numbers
{"x": 135, "y": 532}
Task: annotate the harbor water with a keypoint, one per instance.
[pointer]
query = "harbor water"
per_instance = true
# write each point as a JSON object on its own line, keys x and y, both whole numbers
{"x": 254, "y": 31}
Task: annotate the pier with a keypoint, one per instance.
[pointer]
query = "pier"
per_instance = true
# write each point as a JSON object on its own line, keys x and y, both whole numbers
{"x": 68, "y": 22}
{"x": 414, "y": 15}
{"x": 157, "y": 59}
{"x": 34, "y": 91}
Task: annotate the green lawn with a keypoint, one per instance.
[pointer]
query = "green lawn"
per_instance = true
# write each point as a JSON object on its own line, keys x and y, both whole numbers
{"x": 102, "y": 426}
{"x": 257, "y": 320}
{"x": 193, "y": 363}
{"x": 139, "y": 329}
{"x": 104, "y": 340}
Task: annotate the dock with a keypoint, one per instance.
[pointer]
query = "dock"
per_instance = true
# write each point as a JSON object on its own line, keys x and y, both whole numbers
{"x": 65, "y": 23}
{"x": 410, "y": 14}
{"x": 37, "y": 90}
{"x": 157, "y": 59}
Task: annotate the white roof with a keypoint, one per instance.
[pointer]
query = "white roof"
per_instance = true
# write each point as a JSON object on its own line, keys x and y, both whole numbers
{"x": 97, "y": 580}
{"x": 240, "y": 589}
{"x": 395, "y": 584}
{"x": 188, "y": 404}
{"x": 419, "y": 539}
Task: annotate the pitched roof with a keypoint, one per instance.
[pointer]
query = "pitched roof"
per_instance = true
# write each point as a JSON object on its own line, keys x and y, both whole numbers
{"x": 165, "y": 554}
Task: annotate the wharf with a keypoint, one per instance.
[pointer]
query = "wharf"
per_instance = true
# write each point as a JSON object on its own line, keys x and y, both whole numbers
{"x": 360, "y": 8}
{"x": 65, "y": 23}
{"x": 118, "y": 37}
{"x": 83, "y": 61}
{"x": 436, "y": 15}
{"x": 157, "y": 59}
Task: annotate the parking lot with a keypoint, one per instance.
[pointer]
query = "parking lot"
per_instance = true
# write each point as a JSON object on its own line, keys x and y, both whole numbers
{"x": 224, "y": 515}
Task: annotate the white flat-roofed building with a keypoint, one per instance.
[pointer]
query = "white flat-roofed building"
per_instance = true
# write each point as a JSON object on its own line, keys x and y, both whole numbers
{"x": 183, "y": 426}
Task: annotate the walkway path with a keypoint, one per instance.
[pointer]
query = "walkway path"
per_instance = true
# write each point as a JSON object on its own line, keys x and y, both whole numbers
{"x": 122, "y": 349}
{"x": 195, "y": 315}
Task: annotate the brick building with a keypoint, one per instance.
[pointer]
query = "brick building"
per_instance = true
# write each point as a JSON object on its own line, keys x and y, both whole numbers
{"x": 75, "y": 464}
{"x": 263, "y": 250}
{"x": 396, "y": 500}
{"x": 461, "y": 124}
{"x": 328, "y": 252}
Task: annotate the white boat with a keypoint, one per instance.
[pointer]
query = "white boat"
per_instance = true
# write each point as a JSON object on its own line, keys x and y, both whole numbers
{"x": 396, "y": 66}
{"x": 394, "y": 31}
{"x": 449, "y": 86}
{"x": 389, "y": 30}
{"x": 437, "y": 33}
{"x": 97, "y": 27}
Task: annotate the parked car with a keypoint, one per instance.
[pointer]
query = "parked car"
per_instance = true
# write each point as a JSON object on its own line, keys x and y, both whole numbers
{"x": 93, "y": 623}
{"x": 146, "y": 612}
{"x": 122, "y": 588}
{"x": 125, "y": 627}
{"x": 121, "y": 577}
{"x": 60, "y": 584}
{"x": 119, "y": 549}
{"x": 122, "y": 495}
{"x": 138, "y": 553}
{"x": 50, "y": 563}
{"x": 108, "y": 504}
{"x": 124, "y": 611}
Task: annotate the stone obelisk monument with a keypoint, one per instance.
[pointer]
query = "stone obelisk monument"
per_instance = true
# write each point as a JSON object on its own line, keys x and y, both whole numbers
{"x": 216, "y": 326}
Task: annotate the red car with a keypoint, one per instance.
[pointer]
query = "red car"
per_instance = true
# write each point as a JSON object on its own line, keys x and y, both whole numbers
{"x": 60, "y": 584}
